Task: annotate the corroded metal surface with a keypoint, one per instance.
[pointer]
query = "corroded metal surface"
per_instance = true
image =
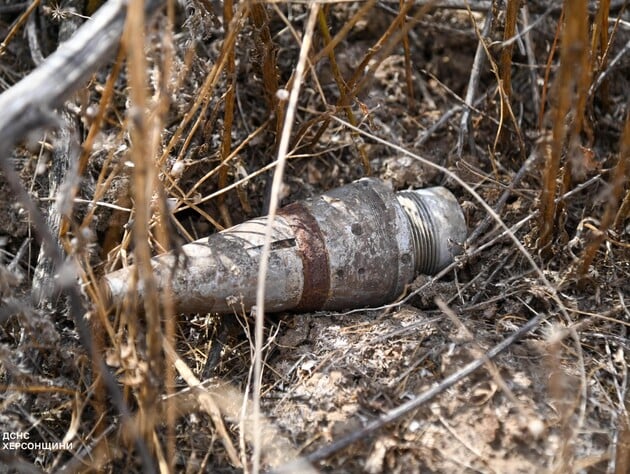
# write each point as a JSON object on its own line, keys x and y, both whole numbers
{"x": 368, "y": 244}
{"x": 355, "y": 246}
{"x": 220, "y": 273}
{"x": 312, "y": 248}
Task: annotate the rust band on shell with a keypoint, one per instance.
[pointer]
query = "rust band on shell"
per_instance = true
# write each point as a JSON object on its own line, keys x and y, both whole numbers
{"x": 312, "y": 248}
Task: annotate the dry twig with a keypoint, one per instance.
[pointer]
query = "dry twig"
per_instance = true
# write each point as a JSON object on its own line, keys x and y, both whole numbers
{"x": 464, "y": 123}
{"x": 30, "y": 103}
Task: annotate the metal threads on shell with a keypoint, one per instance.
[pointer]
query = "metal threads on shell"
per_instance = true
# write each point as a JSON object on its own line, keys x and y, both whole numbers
{"x": 423, "y": 230}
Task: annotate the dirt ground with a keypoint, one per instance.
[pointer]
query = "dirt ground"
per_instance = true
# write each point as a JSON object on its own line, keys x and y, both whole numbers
{"x": 556, "y": 400}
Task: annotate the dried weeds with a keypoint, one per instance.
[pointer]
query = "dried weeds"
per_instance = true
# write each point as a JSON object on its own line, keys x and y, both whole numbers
{"x": 520, "y": 109}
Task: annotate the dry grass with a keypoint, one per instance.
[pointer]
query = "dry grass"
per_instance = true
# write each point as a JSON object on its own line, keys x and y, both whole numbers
{"x": 205, "y": 118}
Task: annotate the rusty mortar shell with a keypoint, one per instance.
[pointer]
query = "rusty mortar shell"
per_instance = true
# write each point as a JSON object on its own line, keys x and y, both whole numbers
{"x": 352, "y": 247}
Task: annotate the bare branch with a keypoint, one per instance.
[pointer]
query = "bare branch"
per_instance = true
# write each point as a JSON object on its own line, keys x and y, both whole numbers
{"x": 28, "y": 104}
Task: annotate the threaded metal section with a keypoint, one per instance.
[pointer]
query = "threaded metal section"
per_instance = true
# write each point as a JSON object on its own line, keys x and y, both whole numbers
{"x": 423, "y": 232}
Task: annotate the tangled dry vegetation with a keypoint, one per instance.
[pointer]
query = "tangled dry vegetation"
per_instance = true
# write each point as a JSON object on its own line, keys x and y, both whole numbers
{"x": 166, "y": 122}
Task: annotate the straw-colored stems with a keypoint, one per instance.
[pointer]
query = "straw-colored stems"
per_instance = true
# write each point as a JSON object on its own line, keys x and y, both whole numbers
{"x": 623, "y": 213}
{"x": 283, "y": 147}
{"x": 580, "y": 53}
{"x": 622, "y": 452}
{"x": 201, "y": 103}
{"x": 17, "y": 25}
{"x": 228, "y": 113}
{"x": 86, "y": 150}
{"x": 571, "y": 53}
{"x": 267, "y": 54}
{"x": 599, "y": 45}
{"x": 505, "y": 61}
{"x": 141, "y": 153}
{"x": 618, "y": 182}
{"x": 346, "y": 96}
{"x": 408, "y": 64}
{"x": 546, "y": 81}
